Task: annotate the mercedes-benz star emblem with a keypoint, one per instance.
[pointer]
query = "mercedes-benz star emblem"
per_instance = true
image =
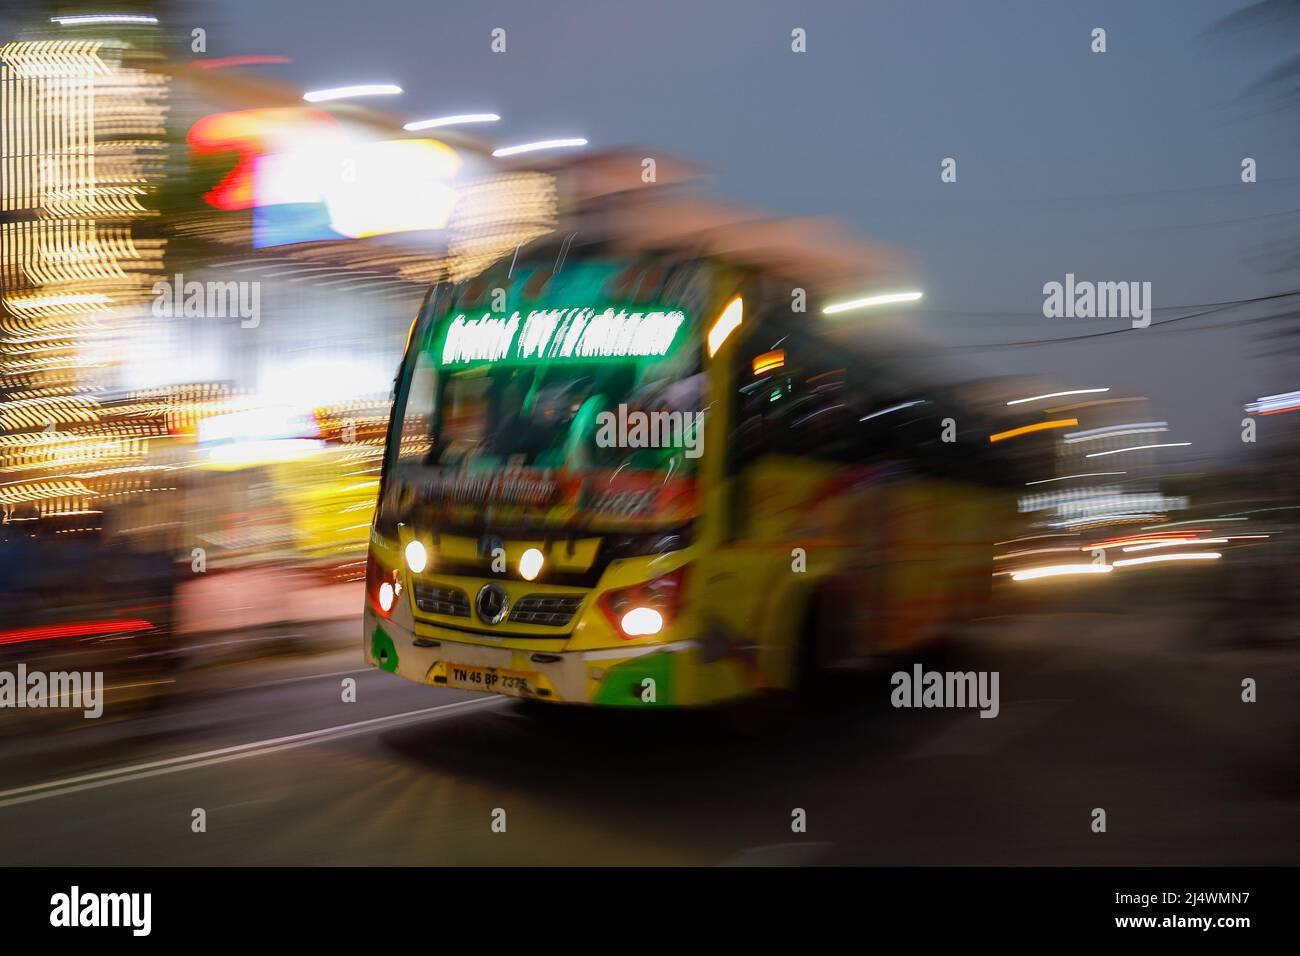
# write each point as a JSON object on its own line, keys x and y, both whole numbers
{"x": 492, "y": 603}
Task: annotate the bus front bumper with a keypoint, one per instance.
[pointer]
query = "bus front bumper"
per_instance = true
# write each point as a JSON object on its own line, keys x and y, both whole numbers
{"x": 642, "y": 675}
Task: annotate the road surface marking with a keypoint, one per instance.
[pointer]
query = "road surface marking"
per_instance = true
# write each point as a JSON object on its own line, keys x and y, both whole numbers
{"x": 257, "y": 748}
{"x": 291, "y": 680}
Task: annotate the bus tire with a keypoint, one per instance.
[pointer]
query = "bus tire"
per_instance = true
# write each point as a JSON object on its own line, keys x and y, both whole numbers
{"x": 820, "y": 641}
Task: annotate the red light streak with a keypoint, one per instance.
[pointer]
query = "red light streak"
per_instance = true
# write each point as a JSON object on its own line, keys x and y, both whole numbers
{"x": 80, "y": 629}
{"x": 255, "y": 60}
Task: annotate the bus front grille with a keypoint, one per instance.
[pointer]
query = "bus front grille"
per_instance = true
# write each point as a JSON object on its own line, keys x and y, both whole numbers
{"x": 434, "y": 599}
{"x": 547, "y": 609}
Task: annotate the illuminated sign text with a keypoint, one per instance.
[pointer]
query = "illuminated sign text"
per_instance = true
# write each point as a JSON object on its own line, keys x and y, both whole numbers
{"x": 546, "y": 335}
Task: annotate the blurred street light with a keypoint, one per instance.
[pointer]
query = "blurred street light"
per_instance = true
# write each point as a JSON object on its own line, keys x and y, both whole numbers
{"x": 348, "y": 92}
{"x": 539, "y": 145}
{"x": 460, "y": 119}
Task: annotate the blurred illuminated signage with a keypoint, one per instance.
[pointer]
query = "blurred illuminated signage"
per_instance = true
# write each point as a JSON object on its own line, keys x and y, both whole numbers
{"x": 1107, "y": 499}
{"x": 549, "y": 335}
{"x": 257, "y": 424}
{"x": 306, "y": 179}
{"x": 254, "y": 133}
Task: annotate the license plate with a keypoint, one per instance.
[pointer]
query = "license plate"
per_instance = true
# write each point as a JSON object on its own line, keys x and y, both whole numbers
{"x": 492, "y": 680}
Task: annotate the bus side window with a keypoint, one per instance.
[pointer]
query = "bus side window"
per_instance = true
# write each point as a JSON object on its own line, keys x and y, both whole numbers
{"x": 415, "y": 437}
{"x": 897, "y": 426}
{"x": 794, "y": 400}
{"x": 923, "y": 439}
{"x": 818, "y": 412}
{"x": 760, "y": 381}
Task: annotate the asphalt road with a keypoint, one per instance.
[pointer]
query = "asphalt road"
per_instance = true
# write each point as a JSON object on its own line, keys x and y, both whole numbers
{"x": 1125, "y": 711}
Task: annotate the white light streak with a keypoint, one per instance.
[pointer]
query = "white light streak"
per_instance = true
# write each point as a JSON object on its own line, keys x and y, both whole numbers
{"x": 1110, "y": 431}
{"x": 539, "y": 145}
{"x": 892, "y": 408}
{"x": 94, "y": 18}
{"x": 872, "y": 300}
{"x": 1274, "y": 403}
{"x": 1087, "y": 474}
{"x": 1058, "y": 570}
{"x": 1077, "y": 391}
{"x": 347, "y": 92}
{"x": 1117, "y": 451}
{"x": 460, "y": 119}
{"x": 1157, "y": 558}
{"x": 1174, "y": 544}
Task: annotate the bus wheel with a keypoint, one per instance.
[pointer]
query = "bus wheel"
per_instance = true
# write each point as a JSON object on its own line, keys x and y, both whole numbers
{"x": 821, "y": 642}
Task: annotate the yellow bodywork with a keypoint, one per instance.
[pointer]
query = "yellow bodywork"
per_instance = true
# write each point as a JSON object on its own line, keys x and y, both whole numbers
{"x": 900, "y": 557}
{"x": 905, "y": 558}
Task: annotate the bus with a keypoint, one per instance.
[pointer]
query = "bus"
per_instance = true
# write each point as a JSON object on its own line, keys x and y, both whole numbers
{"x": 644, "y": 480}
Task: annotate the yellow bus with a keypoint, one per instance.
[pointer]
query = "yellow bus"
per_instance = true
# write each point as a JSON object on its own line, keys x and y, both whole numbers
{"x": 648, "y": 482}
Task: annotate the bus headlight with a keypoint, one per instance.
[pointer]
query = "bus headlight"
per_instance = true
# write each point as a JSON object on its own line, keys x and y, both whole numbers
{"x": 644, "y": 610}
{"x": 530, "y": 564}
{"x": 386, "y": 597}
{"x": 641, "y": 622}
{"x": 417, "y": 558}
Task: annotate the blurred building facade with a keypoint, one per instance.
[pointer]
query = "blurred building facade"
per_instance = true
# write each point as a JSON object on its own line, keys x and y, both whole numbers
{"x": 84, "y": 149}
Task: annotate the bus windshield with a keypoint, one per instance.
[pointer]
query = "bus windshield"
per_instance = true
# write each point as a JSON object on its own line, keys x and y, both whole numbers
{"x": 568, "y": 417}
{"x": 567, "y": 408}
